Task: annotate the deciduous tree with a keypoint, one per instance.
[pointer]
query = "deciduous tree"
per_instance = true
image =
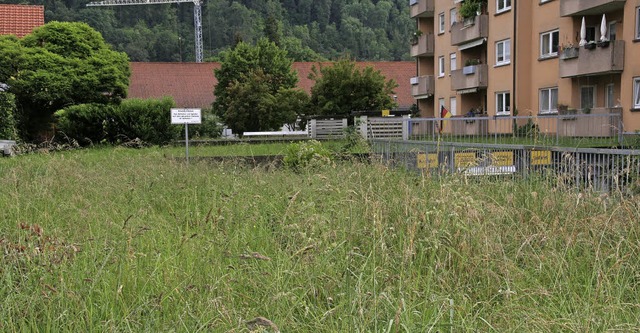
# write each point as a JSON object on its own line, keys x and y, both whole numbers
{"x": 342, "y": 88}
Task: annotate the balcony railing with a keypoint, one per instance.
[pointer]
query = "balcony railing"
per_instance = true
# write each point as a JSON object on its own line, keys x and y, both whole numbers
{"x": 424, "y": 46}
{"x": 469, "y": 30}
{"x": 422, "y": 86}
{"x": 422, "y": 8}
{"x": 469, "y": 77}
{"x": 597, "y": 61}
{"x": 589, "y": 7}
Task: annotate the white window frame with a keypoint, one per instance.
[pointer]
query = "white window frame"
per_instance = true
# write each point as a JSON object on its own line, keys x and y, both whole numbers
{"x": 505, "y": 7}
{"x": 506, "y": 52}
{"x": 549, "y": 99}
{"x": 609, "y": 95}
{"x": 453, "y": 16}
{"x": 441, "y": 70}
{"x": 594, "y": 95}
{"x": 550, "y": 43}
{"x": 505, "y": 98}
{"x": 440, "y": 106}
{"x": 637, "y": 23}
{"x": 441, "y": 23}
{"x": 453, "y": 106}
{"x": 636, "y": 92}
{"x": 453, "y": 61}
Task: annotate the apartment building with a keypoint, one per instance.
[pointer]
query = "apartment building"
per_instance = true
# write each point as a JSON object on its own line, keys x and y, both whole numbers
{"x": 527, "y": 57}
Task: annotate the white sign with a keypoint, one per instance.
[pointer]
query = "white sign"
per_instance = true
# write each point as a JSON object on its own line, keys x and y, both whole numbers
{"x": 186, "y": 116}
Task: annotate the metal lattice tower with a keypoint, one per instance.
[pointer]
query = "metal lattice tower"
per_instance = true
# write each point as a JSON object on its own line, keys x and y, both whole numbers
{"x": 197, "y": 15}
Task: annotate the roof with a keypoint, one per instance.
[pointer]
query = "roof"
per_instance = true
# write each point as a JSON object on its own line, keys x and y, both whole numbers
{"x": 20, "y": 20}
{"x": 192, "y": 84}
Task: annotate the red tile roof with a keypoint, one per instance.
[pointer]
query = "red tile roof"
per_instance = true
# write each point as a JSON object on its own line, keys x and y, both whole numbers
{"x": 20, "y": 20}
{"x": 192, "y": 84}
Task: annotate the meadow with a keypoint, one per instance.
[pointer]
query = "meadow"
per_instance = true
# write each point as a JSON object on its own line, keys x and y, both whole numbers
{"x": 134, "y": 240}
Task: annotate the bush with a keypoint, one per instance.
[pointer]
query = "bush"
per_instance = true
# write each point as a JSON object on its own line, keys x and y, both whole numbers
{"x": 148, "y": 120}
{"x": 307, "y": 154}
{"x": 7, "y": 119}
{"x": 145, "y": 120}
{"x": 210, "y": 127}
{"x": 85, "y": 123}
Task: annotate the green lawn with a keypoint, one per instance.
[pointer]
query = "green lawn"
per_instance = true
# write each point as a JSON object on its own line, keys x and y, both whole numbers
{"x": 128, "y": 240}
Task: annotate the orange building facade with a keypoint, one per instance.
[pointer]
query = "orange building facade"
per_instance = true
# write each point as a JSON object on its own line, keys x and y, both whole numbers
{"x": 528, "y": 58}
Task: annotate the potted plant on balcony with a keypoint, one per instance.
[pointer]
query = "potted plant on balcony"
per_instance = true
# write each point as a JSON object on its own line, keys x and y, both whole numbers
{"x": 470, "y": 66}
{"x": 416, "y": 37}
{"x": 603, "y": 43}
{"x": 469, "y": 9}
{"x": 590, "y": 45}
{"x": 569, "y": 51}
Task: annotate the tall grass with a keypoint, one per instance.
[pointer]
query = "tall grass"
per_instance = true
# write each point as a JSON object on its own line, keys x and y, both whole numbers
{"x": 129, "y": 240}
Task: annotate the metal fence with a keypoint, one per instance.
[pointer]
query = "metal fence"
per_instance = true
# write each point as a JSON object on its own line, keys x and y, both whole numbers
{"x": 578, "y": 130}
{"x": 602, "y": 170}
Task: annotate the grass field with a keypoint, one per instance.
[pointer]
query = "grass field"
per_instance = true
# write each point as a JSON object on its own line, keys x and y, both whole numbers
{"x": 127, "y": 240}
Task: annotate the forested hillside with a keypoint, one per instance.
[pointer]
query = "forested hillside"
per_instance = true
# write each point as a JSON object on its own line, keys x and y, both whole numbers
{"x": 309, "y": 29}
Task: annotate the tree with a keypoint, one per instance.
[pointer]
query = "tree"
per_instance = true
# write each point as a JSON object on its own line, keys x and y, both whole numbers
{"x": 58, "y": 65}
{"x": 343, "y": 88}
{"x": 249, "y": 78}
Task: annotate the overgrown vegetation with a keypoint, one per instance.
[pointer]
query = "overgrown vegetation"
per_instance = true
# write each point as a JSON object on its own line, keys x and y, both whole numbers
{"x": 8, "y": 110}
{"x": 137, "y": 242}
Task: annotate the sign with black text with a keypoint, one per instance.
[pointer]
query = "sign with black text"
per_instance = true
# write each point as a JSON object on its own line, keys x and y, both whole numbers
{"x": 186, "y": 116}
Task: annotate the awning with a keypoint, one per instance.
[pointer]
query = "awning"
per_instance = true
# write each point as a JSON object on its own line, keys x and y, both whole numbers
{"x": 467, "y": 91}
{"x": 469, "y": 45}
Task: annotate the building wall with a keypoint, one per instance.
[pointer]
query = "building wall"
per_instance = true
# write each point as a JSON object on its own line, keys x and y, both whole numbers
{"x": 528, "y": 72}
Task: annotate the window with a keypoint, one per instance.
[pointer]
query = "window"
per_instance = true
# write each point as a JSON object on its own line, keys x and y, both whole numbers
{"x": 637, "y": 22}
{"x": 503, "y": 52}
{"x": 611, "y": 32}
{"x": 591, "y": 34}
{"x": 453, "y": 14}
{"x": 503, "y": 103}
{"x": 587, "y": 97}
{"x": 636, "y": 93}
{"x": 503, "y": 5}
{"x": 440, "y": 66}
{"x": 441, "y": 23}
{"x": 453, "y": 62}
{"x": 549, "y": 44}
{"x": 608, "y": 94}
{"x": 453, "y": 106}
{"x": 440, "y": 106}
{"x": 549, "y": 100}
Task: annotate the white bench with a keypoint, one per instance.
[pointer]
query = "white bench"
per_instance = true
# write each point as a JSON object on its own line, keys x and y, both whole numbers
{"x": 276, "y": 134}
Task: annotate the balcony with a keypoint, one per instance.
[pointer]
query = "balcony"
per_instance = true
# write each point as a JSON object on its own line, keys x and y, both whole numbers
{"x": 470, "y": 78}
{"x": 597, "y": 61}
{"x": 422, "y": 86}
{"x": 470, "y": 30}
{"x": 424, "y": 46}
{"x": 589, "y": 7}
{"x": 422, "y": 8}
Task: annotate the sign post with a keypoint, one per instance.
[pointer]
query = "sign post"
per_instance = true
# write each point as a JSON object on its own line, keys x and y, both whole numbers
{"x": 186, "y": 117}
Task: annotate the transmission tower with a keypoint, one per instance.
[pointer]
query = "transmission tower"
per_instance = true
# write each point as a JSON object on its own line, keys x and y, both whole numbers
{"x": 197, "y": 15}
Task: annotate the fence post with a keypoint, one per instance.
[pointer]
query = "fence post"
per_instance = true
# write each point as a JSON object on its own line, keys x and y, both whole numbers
{"x": 363, "y": 126}
{"x": 405, "y": 127}
{"x": 620, "y": 129}
{"x": 312, "y": 128}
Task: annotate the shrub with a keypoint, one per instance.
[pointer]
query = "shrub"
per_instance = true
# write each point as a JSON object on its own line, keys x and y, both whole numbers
{"x": 210, "y": 127}
{"x": 307, "y": 154}
{"x": 86, "y": 123}
{"x": 7, "y": 119}
{"x": 146, "y": 119}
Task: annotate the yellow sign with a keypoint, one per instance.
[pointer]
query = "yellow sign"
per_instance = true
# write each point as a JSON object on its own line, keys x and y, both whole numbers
{"x": 465, "y": 160}
{"x": 386, "y": 113}
{"x": 427, "y": 160}
{"x": 540, "y": 157}
{"x": 502, "y": 158}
